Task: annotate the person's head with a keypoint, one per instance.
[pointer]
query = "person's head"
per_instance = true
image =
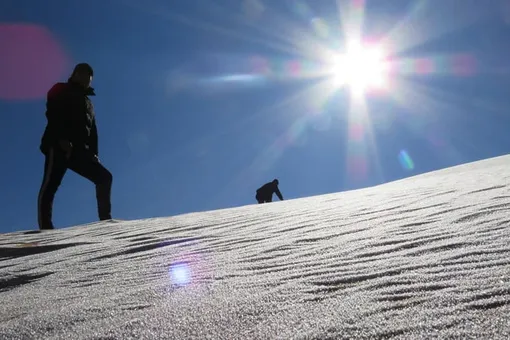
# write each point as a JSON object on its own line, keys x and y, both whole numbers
{"x": 83, "y": 74}
{"x": 275, "y": 181}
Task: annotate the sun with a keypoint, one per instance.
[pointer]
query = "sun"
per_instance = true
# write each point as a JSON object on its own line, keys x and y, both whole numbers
{"x": 361, "y": 68}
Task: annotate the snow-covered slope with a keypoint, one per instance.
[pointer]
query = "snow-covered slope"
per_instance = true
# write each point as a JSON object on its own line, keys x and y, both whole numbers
{"x": 422, "y": 258}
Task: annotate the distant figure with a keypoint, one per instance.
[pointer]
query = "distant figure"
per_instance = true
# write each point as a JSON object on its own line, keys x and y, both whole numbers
{"x": 70, "y": 142}
{"x": 265, "y": 192}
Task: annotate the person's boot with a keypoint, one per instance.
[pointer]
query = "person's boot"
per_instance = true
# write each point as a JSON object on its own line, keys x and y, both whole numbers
{"x": 45, "y": 214}
{"x": 46, "y": 227}
{"x": 105, "y": 217}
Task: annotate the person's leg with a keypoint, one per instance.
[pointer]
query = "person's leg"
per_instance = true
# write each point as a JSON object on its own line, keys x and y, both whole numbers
{"x": 55, "y": 168}
{"x": 85, "y": 165}
{"x": 259, "y": 199}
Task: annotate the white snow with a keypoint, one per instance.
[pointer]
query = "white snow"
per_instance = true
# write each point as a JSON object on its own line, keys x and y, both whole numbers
{"x": 422, "y": 258}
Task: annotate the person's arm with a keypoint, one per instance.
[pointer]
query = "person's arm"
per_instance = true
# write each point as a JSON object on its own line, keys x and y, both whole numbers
{"x": 94, "y": 139}
{"x": 57, "y": 112}
{"x": 279, "y": 194}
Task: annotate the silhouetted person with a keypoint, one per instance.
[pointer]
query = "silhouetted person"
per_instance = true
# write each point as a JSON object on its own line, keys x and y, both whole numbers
{"x": 70, "y": 142}
{"x": 265, "y": 192}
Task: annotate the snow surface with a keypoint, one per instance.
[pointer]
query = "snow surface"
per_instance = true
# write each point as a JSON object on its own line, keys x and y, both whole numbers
{"x": 421, "y": 258}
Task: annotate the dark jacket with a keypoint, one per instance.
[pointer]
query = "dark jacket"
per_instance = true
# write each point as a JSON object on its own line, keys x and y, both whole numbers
{"x": 70, "y": 115}
{"x": 266, "y": 191}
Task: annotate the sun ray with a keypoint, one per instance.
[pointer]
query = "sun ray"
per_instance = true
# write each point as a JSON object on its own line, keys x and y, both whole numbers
{"x": 360, "y": 143}
{"x": 304, "y": 43}
{"x": 352, "y": 16}
{"x": 167, "y": 14}
{"x": 286, "y": 32}
{"x": 373, "y": 149}
{"x": 432, "y": 101}
{"x": 454, "y": 64}
{"x": 422, "y": 105}
{"x": 422, "y": 100}
{"x": 415, "y": 29}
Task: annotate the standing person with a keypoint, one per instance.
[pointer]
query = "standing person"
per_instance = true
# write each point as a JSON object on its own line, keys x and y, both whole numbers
{"x": 70, "y": 142}
{"x": 265, "y": 192}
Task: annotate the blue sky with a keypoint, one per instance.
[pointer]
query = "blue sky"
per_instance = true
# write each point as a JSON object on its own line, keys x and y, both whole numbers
{"x": 201, "y": 102}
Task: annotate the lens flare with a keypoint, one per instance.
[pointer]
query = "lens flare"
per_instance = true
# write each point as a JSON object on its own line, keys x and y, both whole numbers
{"x": 30, "y": 62}
{"x": 180, "y": 273}
{"x": 405, "y": 160}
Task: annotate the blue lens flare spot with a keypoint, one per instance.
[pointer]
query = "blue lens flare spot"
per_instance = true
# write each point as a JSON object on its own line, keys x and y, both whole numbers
{"x": 405, "y": 160}
{"x": 180, "y": 273}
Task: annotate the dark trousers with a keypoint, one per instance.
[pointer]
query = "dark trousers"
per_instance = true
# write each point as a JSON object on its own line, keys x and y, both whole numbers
{"x": 83, "y": 163}
{"x": 264, "y": 199}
